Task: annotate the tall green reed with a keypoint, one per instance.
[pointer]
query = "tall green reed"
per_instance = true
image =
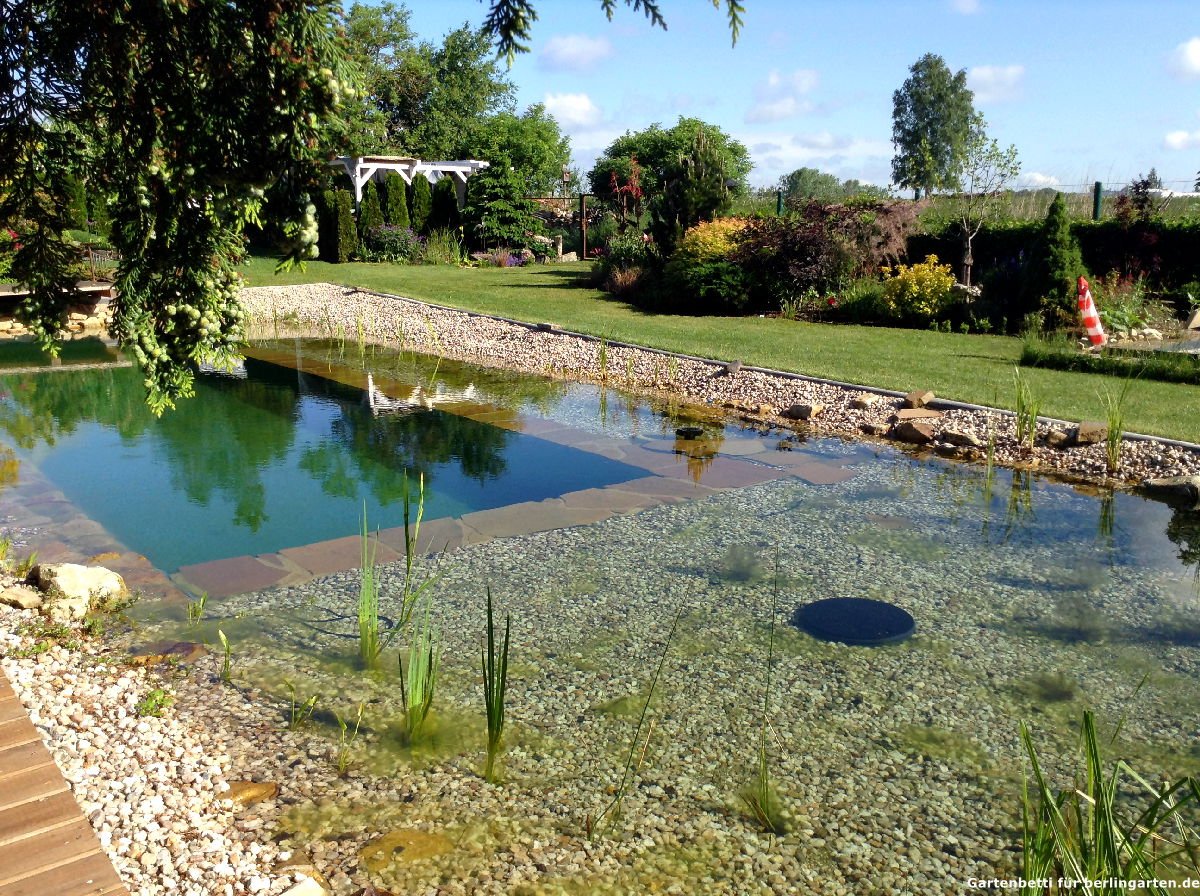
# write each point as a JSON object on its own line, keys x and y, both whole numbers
{"x": 1114, "y": 413}
{"x": 1028, "y": 405}
{"x": 495, "y": 687}
{"x": 343, "y": 756}
{"x": 759, "y": 796}
{"x": 1088, "y": 833}
{"x": 226, "y": 663}
{"x": 418, "y": 682}
{"x": 370, "y": 641}
{"x": 611, "y": 813}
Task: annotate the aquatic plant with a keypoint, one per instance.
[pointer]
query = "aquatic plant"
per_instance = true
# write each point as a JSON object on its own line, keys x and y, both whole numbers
{"x": 611, "y": 812}
{"x": 741, "y": 564}
{"x": 370, "y": 645}
{"x": 417, "y": 683}
{"x": 759, "y": 795}
{"x": 629, "y": 366}
{"x": 343, "y": 757}
{"x": 301, "y": 710}
{"x": 672, "y": 368}
{"x": 24, "y": 565}
{"x": 226, "y": 664}
{"x": 495, "y": 686}
{"x": 1027, "y": 407}
{"x": 602, "y": 359}
{"x": 1114, "y": 415}
{"x": 195, "y": 609}
{"x": 5, "y": 548}
{"x": 1088, "y": 832}
{"x": 154, "y": 703}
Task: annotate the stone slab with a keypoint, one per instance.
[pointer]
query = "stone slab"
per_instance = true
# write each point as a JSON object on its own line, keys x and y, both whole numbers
{"x": 612, "y": 498}
{"x": 434, "y": 536}
{"x": 235, "y": 575}
{"x": 725, "y": 472}
{"x": 531, "y": 516}
{"x": 665, "y": 489}
{"x": 335, "y": 555}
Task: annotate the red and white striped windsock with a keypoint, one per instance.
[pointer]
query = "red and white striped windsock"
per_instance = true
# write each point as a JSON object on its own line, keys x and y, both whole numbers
{"x": 1091, "y": 317}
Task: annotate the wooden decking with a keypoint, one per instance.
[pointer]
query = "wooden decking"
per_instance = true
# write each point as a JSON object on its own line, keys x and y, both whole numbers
{"x": 46, "y": 845}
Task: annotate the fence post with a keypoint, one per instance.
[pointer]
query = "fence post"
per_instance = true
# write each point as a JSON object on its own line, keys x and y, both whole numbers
{"x": 779, "y": 203}
{"x": 1097, "y": 189}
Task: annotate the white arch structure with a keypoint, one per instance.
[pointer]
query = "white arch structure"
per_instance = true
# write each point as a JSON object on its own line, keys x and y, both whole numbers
{"x": 361, "y": 169}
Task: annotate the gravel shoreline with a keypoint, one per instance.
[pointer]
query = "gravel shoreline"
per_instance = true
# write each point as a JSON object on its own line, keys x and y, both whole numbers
{"x": 752, "y": 394}
{"x": 153, "y": 786}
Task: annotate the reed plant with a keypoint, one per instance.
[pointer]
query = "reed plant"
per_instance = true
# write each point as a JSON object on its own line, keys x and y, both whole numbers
{"x": 1027, "y": 406}
{"x": 1087, "y": 836}
{"x": 602, "y": 359}
{"x": 759, "y": 795}
{"x": 611, "y": 813}
{"x": 1114, "y": 417}
{"x": 343, "y": 757}
{"x": 301, "y": 710}
{"x": 418, "y": 682}
{"x": 195, "y": 609}
{"x": 227, "y": 660}
{"x": 495, "y": 687}
{"x": 370, "y": 641}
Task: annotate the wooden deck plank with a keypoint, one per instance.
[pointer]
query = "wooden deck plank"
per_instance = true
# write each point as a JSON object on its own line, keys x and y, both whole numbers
{"x": 89, "y": 876}
{"x": 46, "y": 845}
{"x": 37, "y": 816}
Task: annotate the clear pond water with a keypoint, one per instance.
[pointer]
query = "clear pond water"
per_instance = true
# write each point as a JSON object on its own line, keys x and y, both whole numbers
{"x": 899, "y": 767}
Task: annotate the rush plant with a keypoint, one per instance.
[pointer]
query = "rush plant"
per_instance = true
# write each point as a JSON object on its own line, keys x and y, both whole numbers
{"x": 759, "y": 795}
{"x": 495, "y": 687}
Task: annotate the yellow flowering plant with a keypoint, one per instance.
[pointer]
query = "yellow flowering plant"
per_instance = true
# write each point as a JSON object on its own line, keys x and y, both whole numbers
{"x": 921, "y": 291}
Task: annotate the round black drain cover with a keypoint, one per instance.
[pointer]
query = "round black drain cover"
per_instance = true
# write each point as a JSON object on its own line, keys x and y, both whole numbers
{"x": 855, "y": 620}
{"x": 689, "y": 432}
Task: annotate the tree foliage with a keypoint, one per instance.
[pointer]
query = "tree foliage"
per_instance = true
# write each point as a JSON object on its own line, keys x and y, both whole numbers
{"x": 195, "y": 108}
{"x": 986, "y": 172}
{"x": 931, "y": 124}
{"x": 679, "y": 175}
{"x": 1056, "y": 265}
{"x": 805, "y": 184}
{"x": 420, "y": 203}
{"x": 370, "y": 211}
{"x": 530, "y": 142}
{"x": 395, "y": 200}
{"x": 497, "y": 212}
{"x": 443, "y": 214}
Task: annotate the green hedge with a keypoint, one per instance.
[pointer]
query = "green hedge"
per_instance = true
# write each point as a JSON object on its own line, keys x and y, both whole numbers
{"x": 1170, "y": 367}
{"x": 338, "y": 237}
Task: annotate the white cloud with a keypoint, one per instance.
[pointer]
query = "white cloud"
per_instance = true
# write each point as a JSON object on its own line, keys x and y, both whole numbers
{"x": 574, "y": 53}
{"x": 1184, "y": 61}
{"x": 573, "y": 110}
{"x": 996, "y": 83}
{"x": 782, "y": 96}
{"x": 1182, "y": 140}
{"x": 1035, "y": 180}
{"x": 965, "y": 7}
{"x": 847, "y": 156}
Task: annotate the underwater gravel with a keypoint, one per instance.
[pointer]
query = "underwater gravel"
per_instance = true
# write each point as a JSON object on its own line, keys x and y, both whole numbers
{"x": 465, "y": 336}
{"x": 898, "y": 767}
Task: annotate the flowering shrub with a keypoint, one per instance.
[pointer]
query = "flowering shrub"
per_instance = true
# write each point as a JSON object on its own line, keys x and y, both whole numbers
{"x": 702, "y": 274}
{"x": 398, "y": 245}
{"x": 918, "y": 292}
{"x": 8, "y": 247}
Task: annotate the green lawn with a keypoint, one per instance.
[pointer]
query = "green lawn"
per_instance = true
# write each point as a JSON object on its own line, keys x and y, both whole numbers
{"x": 968, "y": 368}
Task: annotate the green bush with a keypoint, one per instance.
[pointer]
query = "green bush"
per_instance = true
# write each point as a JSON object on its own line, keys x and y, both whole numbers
{"x": 497, "y": 211}
{"x": 701, "y": 276}
{"x": 443, "y": 214}
{"x": 420, "y": 203}
{"x": 335, "y": 224}
{"x": 623, "y": 266}
{"x": 7, "y": 250}
{"x": 396, "y": 245}
{"x": 98, "y": 215}
{"x": 442, "y": 247}
{"x": 1055, "y": 268}
{"x": 395, "y": 200}
{"x": 792, "y": 264}
{"x": 918, "y": 293}
{"x": 370, "y": 213}
{"x": 77, "y": 209}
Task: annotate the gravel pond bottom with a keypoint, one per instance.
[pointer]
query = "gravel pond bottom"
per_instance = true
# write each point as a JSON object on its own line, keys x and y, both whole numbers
{"x": 899, "y": 768}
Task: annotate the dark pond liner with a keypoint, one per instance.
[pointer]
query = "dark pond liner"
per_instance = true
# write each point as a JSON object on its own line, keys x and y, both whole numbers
{"x": 859, "y": 621}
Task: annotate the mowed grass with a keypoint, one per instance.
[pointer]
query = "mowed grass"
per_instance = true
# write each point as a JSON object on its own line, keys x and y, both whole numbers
{"x": 971, "y": 368}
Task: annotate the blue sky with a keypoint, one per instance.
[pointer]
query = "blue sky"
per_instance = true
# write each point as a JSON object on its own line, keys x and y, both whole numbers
{"x": 1086, "y": 91}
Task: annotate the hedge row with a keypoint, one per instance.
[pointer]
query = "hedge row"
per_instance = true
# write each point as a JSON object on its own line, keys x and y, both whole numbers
{"x": 1166, "y": 252}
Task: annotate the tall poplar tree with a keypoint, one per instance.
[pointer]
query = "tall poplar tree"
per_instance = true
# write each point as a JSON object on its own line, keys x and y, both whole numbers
{"x": 931, "y": 125}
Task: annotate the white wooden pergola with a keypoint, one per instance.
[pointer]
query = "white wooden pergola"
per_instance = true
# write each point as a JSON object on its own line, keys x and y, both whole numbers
{"x": 361, "y": 169}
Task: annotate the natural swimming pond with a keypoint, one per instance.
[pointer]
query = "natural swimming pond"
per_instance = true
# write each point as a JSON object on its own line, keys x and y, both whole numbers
{"x": 899, "y": 766}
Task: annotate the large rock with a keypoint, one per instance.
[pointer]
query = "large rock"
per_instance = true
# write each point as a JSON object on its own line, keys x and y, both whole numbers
{"x": 804, "y": 411}
{"x": 1193, "y": 321}
{"x": 71, "y": 590}
{"x": 918, "y": 399}
{"x": 916, "y": 414}
{"x": 23, "y": 597}
{"x": 1183, "y": 490}
{"x": 961, "y": 438}
{"x": 246, "y": 793}
{"x": 914, "y": 432}
{"x": 864, "y": 400}
{"x": 1089, "y": 432}
{"x": 1059, "y": 438}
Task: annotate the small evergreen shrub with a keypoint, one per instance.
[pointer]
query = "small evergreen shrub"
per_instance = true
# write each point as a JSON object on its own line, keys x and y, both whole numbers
{"x": 1056, "y": 266}
{"x": 918, "y": 293}
{"x": 443, "y": 214}
{"x": 395, "y": 200}
{"x": 370, "y": 213}
{"x": 702, "y": 274}
{"x": 8, "y": 248}
{"x": 394, "y": 245}
{"x": 338, "y": 236}
{"x": 421, "y": 203}
{"x": 77, "y": 209}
